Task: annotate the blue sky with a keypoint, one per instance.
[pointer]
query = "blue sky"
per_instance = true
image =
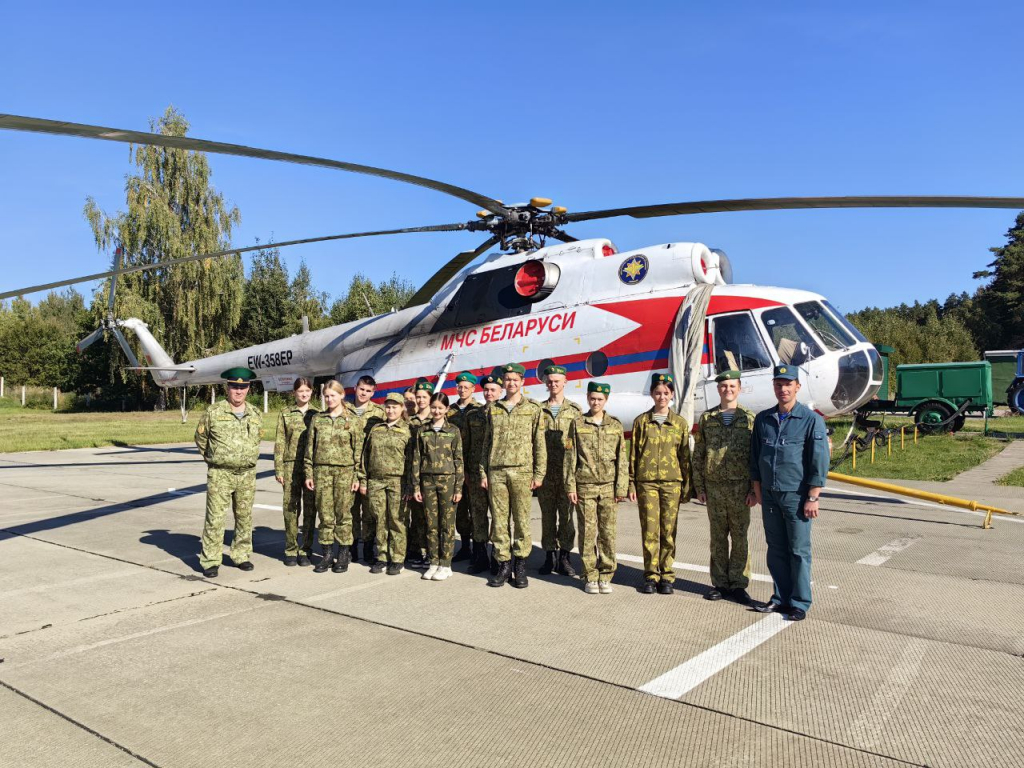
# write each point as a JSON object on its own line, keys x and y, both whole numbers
{"x": 592, "y": 104}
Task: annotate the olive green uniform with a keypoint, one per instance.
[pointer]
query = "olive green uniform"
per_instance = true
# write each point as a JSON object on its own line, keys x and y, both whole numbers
{"x": 437, "y": 473}
{"x": 513, "y": 457}
{"x": 386, "y": 458}
{"x": 659, "y": 475}
{"x": 558, "y": 530}
{"x": 362, "y": 518}
{"x": 721, "y": 470}
{"x": 459, "y": 418}
{"x": 595, "y": 469}
{"x": 472, "y": 451}
{"x": 289, "y": 451}
{"x": 333, "y": 450}
{"x": 417, "y": 515}
{"x": 230, "y": 445}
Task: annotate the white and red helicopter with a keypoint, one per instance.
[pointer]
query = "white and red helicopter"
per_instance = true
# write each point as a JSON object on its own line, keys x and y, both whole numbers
{"x": 583, "y": 304}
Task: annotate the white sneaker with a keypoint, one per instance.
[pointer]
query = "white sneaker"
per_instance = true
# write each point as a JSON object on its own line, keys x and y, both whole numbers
{"x": 428, "y": 574}
{"x": 442, "y": 573}
{"x": 605, "y": 587}
{"x": 591, "y": 588}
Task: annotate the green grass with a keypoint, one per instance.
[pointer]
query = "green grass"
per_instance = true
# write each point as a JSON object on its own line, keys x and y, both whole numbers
{"x": 935, "y": 457}
{"x": 23, "y": 429}
{"x": 1014, "y": 478}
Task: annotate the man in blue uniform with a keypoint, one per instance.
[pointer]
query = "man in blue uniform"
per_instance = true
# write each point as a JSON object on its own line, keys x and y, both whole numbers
{"x": 789, "y": 460}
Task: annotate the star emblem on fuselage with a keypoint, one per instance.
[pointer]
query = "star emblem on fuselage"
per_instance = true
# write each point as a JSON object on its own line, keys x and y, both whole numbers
{"x": 633, "y": 270}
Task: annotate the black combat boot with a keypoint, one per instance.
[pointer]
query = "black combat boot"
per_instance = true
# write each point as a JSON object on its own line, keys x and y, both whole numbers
{"x": 369, "y": 556}
{"x": 464, "y": 550}
{"x": 344, "y": 558}
{"x": 503, "y": 574}
{"x": 519, "y": 580}
{"x": 353, "y": 551}
{"x": 480, "y": 563}
{"x": 303, "y": 560}
{"x": 565, "y": 564}
{"x": 550, "y": 563}
{"x": 327, "y": 560}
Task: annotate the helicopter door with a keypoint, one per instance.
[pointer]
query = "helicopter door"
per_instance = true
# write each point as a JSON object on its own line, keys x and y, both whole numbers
{"x": 737, "y": 346}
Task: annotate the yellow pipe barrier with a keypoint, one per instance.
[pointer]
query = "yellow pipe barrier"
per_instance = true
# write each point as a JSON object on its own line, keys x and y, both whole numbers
{"x": 938, "y": 498}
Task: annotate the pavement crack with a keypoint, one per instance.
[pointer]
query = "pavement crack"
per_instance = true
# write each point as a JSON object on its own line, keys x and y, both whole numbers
{"x": 148, "y": 605}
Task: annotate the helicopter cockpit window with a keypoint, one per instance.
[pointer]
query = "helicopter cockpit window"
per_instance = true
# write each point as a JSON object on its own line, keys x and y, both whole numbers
{"x": 738, "y": 347}
{"x": 485, "y": 297}
{"x": 792, "y": 342}
{"x": 845, "y": 322}
{"x": 825, "y": 326}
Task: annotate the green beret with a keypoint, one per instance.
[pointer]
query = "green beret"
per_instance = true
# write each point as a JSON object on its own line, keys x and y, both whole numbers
{"x": 790, "y": 372}
{"x": 727, "y": 375}
{"x": 238, "y": 375}
{"x": 424, "y": 386}
{"x": 466, "y": 376}
{"x": 555, "y": 369}
{"x": 601, "y": 387}
{"x": 514, "y": 368}
{"x": 662, "y": 378}
{"x": 490, "y": 379}
{"x": 395, "y": 397}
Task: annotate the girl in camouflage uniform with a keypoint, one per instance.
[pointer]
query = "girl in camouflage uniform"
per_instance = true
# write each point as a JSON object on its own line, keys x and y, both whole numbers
{"x": 385, "y": 463}
{"x": 289, "y": 452}
{"x": 437, "y": 482}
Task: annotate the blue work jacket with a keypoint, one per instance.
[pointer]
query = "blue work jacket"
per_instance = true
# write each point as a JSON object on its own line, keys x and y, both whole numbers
{"x": 792, "y": 455}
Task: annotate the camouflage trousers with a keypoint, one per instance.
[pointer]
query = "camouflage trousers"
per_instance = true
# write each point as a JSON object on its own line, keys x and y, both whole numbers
{"x": 558, "y": 529}
{"x": 236, "y": 487}
{"x": 389, "y": 512}
{"x": 596, "y": 510}
{"x": 508, "y": 490}
{"x": 478, "y": 503}
{"x": 417, "y": 527}
{"x": 438, "y": 492}
{"x": 298, "y": 504}
{"x": 659, "y": 516}
{"x": 729, "y": 517}
{"x": 364, "y": 525}
{"x": 334, "y": 502}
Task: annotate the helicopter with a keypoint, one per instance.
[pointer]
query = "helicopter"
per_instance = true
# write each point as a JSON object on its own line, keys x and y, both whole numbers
{"x": 583, "y": 304}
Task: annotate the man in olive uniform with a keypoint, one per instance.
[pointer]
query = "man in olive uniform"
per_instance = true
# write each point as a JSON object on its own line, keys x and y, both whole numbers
{"x": 458, "y": 416}
{"x": 558, "y": 529}
{"x": 416, "y": 542}
{"x": 228, "y": 438}
{"x": 721, "y": 479}
{"x": 514, "y": 461}
{"x": 476, "y": 422}
{"x": 289, "y": 453}
{"x": 789, "y": 460}
{"x": 363, "y": 522}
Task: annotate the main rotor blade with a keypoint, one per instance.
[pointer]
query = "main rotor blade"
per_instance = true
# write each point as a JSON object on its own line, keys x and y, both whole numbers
{"x": 124, "y": 346}
{"x": 41, "y": 125}
{"x": 445, "y": 273}
{"x": 88, "y": 340}
{"x": 217, "y": 254}
{"x": 793, "y": 203}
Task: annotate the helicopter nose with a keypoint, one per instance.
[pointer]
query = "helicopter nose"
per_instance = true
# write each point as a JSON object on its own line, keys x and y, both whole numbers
{"x": 860, "y": 375}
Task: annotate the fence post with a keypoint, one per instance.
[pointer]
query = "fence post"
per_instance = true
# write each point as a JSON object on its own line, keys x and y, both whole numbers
{"x": 213, "y": 394}
{"x": 1, "y": 386}
{"x": 22, "y": 395}
{"x": 265, "y": 401}
{"x": 872, "y": 449}
{"x": 55, "y": 391}
{"x": 903, "y": 436}
{"x": 889, "y": 444}
{"x": 915, "y": 434}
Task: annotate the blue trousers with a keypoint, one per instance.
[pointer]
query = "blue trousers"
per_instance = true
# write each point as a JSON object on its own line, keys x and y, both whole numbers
{"x": 788, "y": 534}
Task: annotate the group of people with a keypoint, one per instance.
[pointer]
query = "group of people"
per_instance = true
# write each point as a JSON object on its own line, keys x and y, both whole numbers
{"x": 403, "y": 479}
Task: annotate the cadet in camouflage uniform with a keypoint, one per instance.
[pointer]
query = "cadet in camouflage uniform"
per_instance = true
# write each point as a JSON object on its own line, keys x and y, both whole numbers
{"x": 369, "y": 412}
{"x": 437, "y": 477}
{"x": 458, "y": 416}
{"x": 596, "y": 477}
{"x": 476, "y": 430}
{"x": 514, "y": 458}
{"x": 386, "y": 458}
{"x": 334, "y": 447}
{"x": 417, "y": 541}
{"x": 558, "y": 530}
{"x": 228, "y": 437}
{"x": 721, "y": 478}
{"x": 659, "y": 481}
{"x": 289, "y": 452}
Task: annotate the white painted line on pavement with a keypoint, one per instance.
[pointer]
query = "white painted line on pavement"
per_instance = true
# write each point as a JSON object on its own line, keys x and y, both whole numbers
{"x": 688, "y": 567}
{"x": 345, "y": 590}
{"x": 687, "y": 676}
{"x": 271, "y": 507}
{"x": 881, "y": 555}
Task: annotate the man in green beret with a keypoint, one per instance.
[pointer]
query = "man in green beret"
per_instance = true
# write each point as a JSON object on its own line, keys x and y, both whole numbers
{"x": 514, "y": 460}
{"x": 415, "y": 555}
{"x": 721, "y": 479}
{"x": 458, "y": 416}
{"x": 476, "y": 421}
{"x": 228, "y": 438}
{"x": 558, "y": 530}
{"x": 363, "y": 522}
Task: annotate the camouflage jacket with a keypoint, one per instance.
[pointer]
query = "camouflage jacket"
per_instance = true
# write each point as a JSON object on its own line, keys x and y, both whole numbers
{"x": 514, "y": 439}
{"x": 387, "y": 450}
{"x": 371, "y": 415}
{"x": 722, "y": 453}
{"x": 290, "y": 444}
{"x": 460, "y": 419}
{"x": 660, "y": 451}
{"x": 473, "y": 443}
{"x": 335, "y": 441}
{"x": 227, "y": 442}
{"x": 556, "y": 429}
{"x": 438, "y": 452}
{"x": 596, "y": 453}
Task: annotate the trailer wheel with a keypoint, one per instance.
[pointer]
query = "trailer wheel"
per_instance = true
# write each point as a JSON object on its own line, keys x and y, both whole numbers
{"x": 929, "y": 415}
{"x": 1016, "y": 399}
{"x": 958, "y": 423}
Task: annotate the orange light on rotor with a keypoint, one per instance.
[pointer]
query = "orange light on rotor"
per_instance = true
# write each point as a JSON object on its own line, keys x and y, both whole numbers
{"x": 535, "y": 279}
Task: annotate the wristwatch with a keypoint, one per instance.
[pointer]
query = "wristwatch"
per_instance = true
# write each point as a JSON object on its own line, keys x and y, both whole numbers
{"x": 812, "y": 498}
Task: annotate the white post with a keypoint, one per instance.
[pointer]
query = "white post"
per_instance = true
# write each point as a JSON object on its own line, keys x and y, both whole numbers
{"x": 213, "y": 395}
{"x": 265, "y": 401}
{"x": 1, "y": 386}
{"x": 22, "y": 395}
{"x": 55, "y": 391}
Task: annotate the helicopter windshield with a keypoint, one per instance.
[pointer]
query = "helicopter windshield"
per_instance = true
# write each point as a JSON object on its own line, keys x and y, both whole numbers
{"x": 793, "y": 343}
{"x": 834, "y": 335}
{"x": 845, "y": 323}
